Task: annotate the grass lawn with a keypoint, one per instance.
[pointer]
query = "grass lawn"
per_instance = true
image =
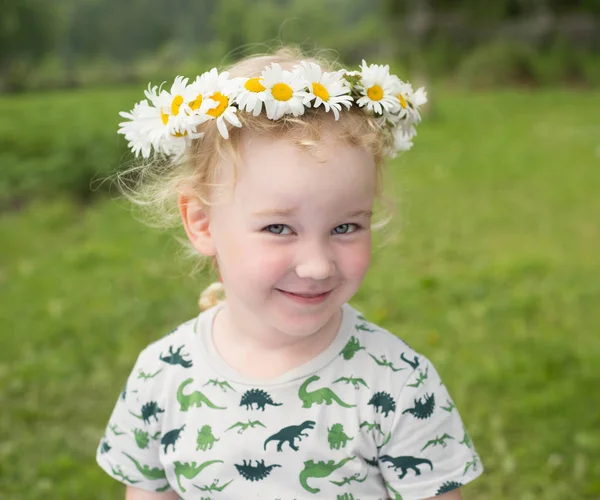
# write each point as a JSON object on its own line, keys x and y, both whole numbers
{"x": 490, "y": 268}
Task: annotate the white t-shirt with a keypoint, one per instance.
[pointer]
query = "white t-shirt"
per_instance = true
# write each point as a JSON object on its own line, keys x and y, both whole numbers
{"x": 368, "y": 418}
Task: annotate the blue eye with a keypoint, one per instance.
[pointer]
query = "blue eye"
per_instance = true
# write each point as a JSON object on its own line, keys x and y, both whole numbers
{"x": 345, "y": 228}
{"x": 278, "y": 228}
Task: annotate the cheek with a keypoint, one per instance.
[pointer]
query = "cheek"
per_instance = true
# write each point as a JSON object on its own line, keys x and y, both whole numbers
{"x": 262, "y": 263}
{"x": 357, "y": 259}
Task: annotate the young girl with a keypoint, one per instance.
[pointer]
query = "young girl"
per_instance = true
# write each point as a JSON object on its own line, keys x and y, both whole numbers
{"x": 282, "y": 390}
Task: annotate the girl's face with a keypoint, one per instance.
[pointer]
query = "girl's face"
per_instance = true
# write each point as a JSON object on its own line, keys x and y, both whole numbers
{"x": 293, "y": 224}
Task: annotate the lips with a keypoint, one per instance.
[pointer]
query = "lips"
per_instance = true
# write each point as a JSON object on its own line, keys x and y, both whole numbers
{"x": 307, "y": 295}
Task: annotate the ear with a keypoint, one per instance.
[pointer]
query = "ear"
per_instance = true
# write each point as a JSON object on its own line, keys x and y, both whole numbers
{"x": 196, "y": 221}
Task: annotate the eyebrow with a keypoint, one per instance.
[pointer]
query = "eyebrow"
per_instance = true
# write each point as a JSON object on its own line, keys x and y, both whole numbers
{"x": 289, "y": 211}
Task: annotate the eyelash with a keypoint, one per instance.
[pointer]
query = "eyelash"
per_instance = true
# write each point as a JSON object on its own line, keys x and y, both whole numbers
{"x": 357, "y": 227}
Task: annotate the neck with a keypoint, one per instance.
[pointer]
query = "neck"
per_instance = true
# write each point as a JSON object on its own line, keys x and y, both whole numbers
{"x": 264, "y": 352}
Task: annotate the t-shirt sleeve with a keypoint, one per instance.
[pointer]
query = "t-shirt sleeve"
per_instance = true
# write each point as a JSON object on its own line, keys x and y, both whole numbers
{"x": 129, "y": 450}
{"x": 428, "y": 451}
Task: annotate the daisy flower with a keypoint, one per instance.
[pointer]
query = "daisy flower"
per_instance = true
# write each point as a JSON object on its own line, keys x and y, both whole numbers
{"x": 251, "y": 96}
{"x": 329, "y": 89}
{"x": 284, "y": 92}
{"x": 410, "y": 101}
{"x": 403, "y": 138}
{"x": 136, "y": 129}
{"x": 378, "y": 89}
{"x": 220, "y": 91}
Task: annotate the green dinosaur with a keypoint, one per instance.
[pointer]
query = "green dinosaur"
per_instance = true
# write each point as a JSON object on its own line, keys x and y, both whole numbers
{"x": 383, "y": 402}
{"x": 223, "y": 384}
{"x": 414, "y": 364}
{"x": 214, "y": 486}
{"x": 370, "y": 426}
{"x": 384, "y": 362}
{"x": 146, "y": 376}
{"x": 196, "y": 398}
{"x": 119, "y": 473}
{"x": 205, "y": 439}
{"x": 104, "y": 446}
{"x": 116, "y": 431}
{"x": 405, "y": 463}
{"x": 141, "y": 438}
{"x": 150, "y": 409}
{"x": 373, "y": 462}
{"x": 397, "y": 496}
{"x": 337, "y": 437}
{"x": 438, "y": 440}
{"x": 319, "y": 396}
{"x": 176, "y": 358}
{"x": 146, "y": 471}
{"x": 350, "y": 380}
{"x": 257, "y": 397}
{"x": 351, "y": 348}
{"x": 472, "y": 463}
{"x": 171, "y": 437}
{"x": 348, "y": 480}
{"x": 450, "y": 406}
{"x": 256, "y": 472}
{"x": 421, "y": 379}
{"x": 320, "y": 469}
{"x": 290, "y": 434}
{"x": 447, "y": 486}
{"x": 243, "y": 426}
{"x": 423, "y": 407}
{"x": 163, "y": 488}
{"x": 466, "y": 440}
{"x": 363, "y": 328}
{"x": 190, "y": 470}
{"x": 346, "y": 496}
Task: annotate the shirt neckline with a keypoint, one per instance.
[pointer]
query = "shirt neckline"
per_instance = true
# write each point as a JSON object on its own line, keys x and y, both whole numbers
{"x": 203, "y": 330}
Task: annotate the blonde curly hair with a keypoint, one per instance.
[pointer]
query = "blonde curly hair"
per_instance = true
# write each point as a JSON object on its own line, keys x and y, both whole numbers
{"x": 154, "y": 186}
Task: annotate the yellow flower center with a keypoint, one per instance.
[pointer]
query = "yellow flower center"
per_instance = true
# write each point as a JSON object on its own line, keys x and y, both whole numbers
{"x": 403, "y": 102}
{"x": 219, "y": 108}
{"x": 164, "y": 117}
{"x": 282, "y": 92}
{"x": 176, "y": 104}
{"x": 254, "y": 85}
{"x": 320, "y": 91}
{"x": 375, "y": 93}
{"x": 196, "y": 103}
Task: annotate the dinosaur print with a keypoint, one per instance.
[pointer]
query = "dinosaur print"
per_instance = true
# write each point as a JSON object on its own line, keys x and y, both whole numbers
{"x": 421, "y": 379}
{"x": 346, "y": 496}
{"x": 405, "y": 463}
{"x": 438, "y": 440}
{"x": 258, "y": 397}
{"x": 422, "y": 409}
{"x": 466, "y": 440}
{"x": 472, "y": 463}
{"x": 350, "y": 479}
{"x": 371, "y": 425}
{"x": 243, "y": 426}
{"x": 319, "y": 396}
{"x": 146, "y": 471}
{"x": 337, "y": 437}
{"x": 414, "y": 364}
{"x": 146, "y": 376}
{"x": 171, "y": 437}
{"x": 373, "y": 462}
{"x": 447, "y": 486}
{"x": 116, "y": 430}
{"x": 450, "y": 406}
{"x": 290, "y": 434}
{"x": 223, "y": 384}
{"x": 350, "y": 380}
{"x": 383, "y": 402}
{"x": 384, "y": 362}
{"x": 397, "y": 496}
{"x": 190, "y": 470}
{"x": 385, "y": 441}
{"x": 351, "y": 348}
{"x": 163, "y": 488}
{"x": 150, "y": 409}
{"x": 256, "y": 472}
{"x": 176, "y": 358}
{"x": 196, "y": 398}
{"x": 214, "y": 486}
{"x": 117, "y": 471}
{"x": 363, "y": 328}
{"x": 205, "y": 439}
{"x": 124, "y": 392}
{"x": 141, "y": 438}
{"x": 319, "y": 470}
{"x": 104, "y": 446}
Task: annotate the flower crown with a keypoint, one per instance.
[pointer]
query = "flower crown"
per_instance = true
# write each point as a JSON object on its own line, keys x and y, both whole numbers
{"x": 169, "y": 123}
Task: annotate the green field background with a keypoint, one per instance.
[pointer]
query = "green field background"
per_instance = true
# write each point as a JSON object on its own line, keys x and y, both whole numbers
{"x": 490, "y": 267}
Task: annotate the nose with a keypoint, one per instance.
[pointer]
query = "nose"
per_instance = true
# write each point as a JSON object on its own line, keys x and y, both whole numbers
{"x": 315, "y": 261}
